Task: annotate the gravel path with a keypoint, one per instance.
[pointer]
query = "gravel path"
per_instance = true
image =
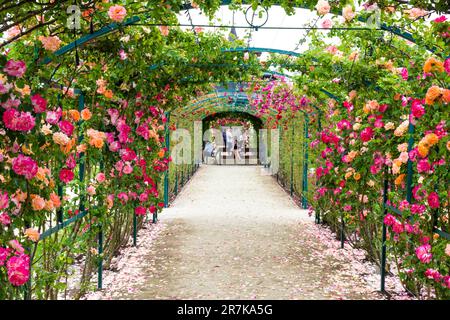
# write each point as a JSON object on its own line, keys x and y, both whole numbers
{"x": 233, "y": 233}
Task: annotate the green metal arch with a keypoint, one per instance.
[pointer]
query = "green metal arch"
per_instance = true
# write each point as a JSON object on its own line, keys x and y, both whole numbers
{"x": 135, "y": 19}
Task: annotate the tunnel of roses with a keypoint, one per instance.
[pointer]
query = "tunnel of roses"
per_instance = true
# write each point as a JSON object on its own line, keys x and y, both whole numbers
{"x": 87, "y": 110}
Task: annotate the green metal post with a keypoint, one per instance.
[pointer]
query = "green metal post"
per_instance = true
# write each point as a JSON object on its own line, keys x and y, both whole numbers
{"x": 292, "y": 163}
{"x": 305, "y": 164}
{"x": 176, "y": 180}
{"x": 100, "y": 261}
{"x": 134, "y": 229}
{"x": 81, "y": 161}
{"x": 409, "y": 175}
{"x": 182, "y": 176}
{"x": 166, "y": 174}
{"x": 383, "y": 235}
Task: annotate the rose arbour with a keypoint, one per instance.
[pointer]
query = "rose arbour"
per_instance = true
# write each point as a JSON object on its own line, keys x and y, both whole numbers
{"x": 85, "y": 130}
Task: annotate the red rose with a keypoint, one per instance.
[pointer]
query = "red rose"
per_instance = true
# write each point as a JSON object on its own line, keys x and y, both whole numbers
{"x": 66, "y": 175}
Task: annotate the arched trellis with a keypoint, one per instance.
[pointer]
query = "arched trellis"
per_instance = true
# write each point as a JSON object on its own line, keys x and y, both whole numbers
{"x": 112, "y": 27}
{"x": 218, "y": 106}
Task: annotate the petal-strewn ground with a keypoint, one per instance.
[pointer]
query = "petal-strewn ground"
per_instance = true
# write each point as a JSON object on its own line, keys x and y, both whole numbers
{"x": 234, "y": 234}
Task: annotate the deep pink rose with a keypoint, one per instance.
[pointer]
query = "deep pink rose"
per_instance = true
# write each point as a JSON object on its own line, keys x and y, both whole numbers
{"x": 143, "y": 131}
{"x": 66, "y": 127}
{"x": 366, "y": 134}
{"x": 114, "y": 146}
{"x": 127, "y": 154}
{"x": 140, "y": 211}
{"x": 18, "y": 269}
{"x": 433, "y": 200}
{"x": 4, "y": 200}
{"x": 417, "y": 109}
{"x": 424, "y": 254}
{"x": 25, "y": 166}
{"x": 423, "y": 166}
{"x": 66, "y": 175}
{"x": 5, "y": 219}
{"x": 18, "y": 121}
{"x": 15, "y": 68}
{"x": 4, "y": 253}
{"x": 39, "y": 103}
{"x": 447, "y": 65}
{"x": 70, "y": 162}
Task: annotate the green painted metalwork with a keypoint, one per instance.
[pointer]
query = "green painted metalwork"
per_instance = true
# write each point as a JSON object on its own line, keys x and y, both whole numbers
{"x": 292, "y": 163}
{"x": 134, "y": 229}
{"x": 166, "y": 173}
{"x": 259, "y": 49}
{"x": 409, "y": 175}
{"x": 384, "y": 234}
{"x": 305, "y": 163}
{"x": 62, "y": 225}
{"x": 100, "y": 259}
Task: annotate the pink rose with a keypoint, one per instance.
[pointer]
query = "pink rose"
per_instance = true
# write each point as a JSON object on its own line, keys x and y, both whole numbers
{"x": 423, "y": 253}
{"x": 123, "y": 197}
{"x": 322, "y": 7}
{"x": 417, "y": 109}
{"x": 53, "y": 116}
{"x": 347, "y": 13}
{"x": 327, "y": 23}
{"x": 4, "y": 200}
{"x": 366, "y": 134}
{"x": 127, "y": 169}
{"x": 447, "y": 65}
{"x": 4, "y": 253}
{"x": 433, "y": 200}
{"x": 127, "y": 154}
{"x": 18, "y": 121}
{"x": 16, "y": 246}
{"x": 5, "y": 219}
{"x": 91, "y": 190}
{"x": 100, "y": 177}
{"x": 15, "y": 68}
{"x": 143, "y": 197}
{"x": 39, "y": 103}
{"x": 66, "y": 175}
{"x": 423, "y": 166}
{"x": 117, "y": 13}
{"x": 25, "y": 166}
{"x": 66, "y": 126}
{"x": 114, "y": 146}
{"x": 70, "y": 162}
{"x": 140, "y": 211}
{"x": 18, "y": 269}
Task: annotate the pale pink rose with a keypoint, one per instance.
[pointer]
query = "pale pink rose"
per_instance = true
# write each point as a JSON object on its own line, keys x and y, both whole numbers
{"x": 327, "y": 23}
{"x": 416, "y": 13}
{"x": 347, "y": 13}
{"x": 91, "y": 190}
{"x": 127, "y": 169}
{"x": 15, "y": 68}
{"x": 50, "y": 43}
{"x": 16, "y": 246}
{"x": 323, "y": 7}
{"x": 12, "y": 32}
{"x": 117, "y": 13}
